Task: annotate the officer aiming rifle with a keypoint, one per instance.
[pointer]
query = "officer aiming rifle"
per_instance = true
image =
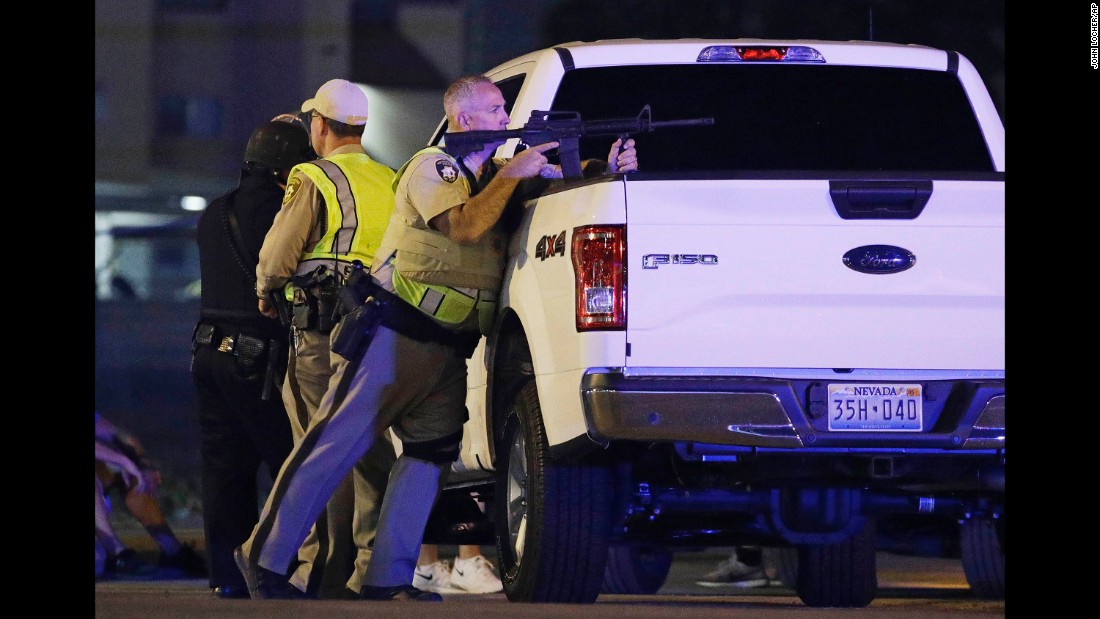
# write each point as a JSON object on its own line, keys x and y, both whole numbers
{"x": 566, "y": 128}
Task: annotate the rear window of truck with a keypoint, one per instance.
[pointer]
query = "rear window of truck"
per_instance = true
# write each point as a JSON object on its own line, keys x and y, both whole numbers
{"x": 785, "y": 117}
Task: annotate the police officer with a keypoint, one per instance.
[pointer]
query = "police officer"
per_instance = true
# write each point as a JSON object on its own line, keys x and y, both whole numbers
{"x": 334, "y": 213}
{"x": 239, "y": 354}
{"x": 433, "y": 301}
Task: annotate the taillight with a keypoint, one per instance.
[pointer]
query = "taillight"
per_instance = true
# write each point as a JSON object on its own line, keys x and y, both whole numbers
{"x": 600, "y": 272}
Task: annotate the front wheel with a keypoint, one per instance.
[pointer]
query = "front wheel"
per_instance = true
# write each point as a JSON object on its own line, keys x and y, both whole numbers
{"x": 636, "y": 569}
{"x": 553, "y": 520}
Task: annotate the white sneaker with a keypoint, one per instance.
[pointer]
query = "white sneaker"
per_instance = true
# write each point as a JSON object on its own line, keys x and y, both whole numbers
{"x": 733, "y": 573}
{"x": 435, "y": 577}
{"x": 475, "y": 575}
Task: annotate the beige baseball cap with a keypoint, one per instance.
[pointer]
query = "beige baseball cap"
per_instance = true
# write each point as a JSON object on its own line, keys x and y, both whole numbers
{"x": 341, "y": 101}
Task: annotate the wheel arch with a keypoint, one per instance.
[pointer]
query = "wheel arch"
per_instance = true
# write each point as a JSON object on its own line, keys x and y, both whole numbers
{"x": 510, "y": 368}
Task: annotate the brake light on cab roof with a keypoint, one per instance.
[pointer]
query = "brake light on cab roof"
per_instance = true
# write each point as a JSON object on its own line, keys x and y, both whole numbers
{"x": 759, "y": 53}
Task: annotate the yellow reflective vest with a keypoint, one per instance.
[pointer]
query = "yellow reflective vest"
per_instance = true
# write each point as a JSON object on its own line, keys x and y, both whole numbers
{"x": 358, "y": 194}
{"x": 444, "y": 279}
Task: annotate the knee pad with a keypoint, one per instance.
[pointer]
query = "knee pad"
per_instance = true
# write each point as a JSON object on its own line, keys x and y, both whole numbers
{"x": 442, "y": 450}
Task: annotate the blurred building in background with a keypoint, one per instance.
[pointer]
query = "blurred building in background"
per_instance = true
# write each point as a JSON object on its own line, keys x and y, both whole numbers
{"x": 179, "y": 87}
{"x": 180, "y": 84}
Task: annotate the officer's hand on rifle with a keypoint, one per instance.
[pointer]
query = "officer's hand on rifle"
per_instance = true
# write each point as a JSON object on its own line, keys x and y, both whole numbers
{"x": 529, "y": 163}
{"x": 619, "y": 159}
{"x": 624, "y": 160}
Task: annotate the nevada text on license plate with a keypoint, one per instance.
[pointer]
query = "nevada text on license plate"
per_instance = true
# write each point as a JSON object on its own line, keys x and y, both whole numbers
{"x": 886, "y": 408}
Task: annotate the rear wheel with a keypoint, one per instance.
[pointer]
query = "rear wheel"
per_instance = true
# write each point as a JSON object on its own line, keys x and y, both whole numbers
{"x": 781, "y": 563}
{"x": 553, "y": 520}
{"x": 983, "y": 557}
{"x": 841, "y": 574}
{"x": 636, "y": 569}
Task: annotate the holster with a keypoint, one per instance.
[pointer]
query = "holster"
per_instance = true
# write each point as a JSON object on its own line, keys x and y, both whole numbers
{"x": 278, "y": 300}
{"x": 328, "y": 307}
{"x": 316, "y": 301}
{"x": 249, "y": 351}
{"x": 203, "y": 336}
{"x": 357, "y": 329}
{"x": 358, "y": 284}
{"x": 304, "y": 310}
{"x": 276, "y": 369}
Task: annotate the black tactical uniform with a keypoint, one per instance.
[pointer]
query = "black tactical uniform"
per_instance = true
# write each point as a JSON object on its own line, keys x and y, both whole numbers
{"x": 239, "y": 354}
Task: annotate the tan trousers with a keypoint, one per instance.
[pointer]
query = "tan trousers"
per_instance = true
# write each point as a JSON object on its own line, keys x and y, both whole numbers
{"x": 340, "y": 545}
{"x": 416, "y": 388}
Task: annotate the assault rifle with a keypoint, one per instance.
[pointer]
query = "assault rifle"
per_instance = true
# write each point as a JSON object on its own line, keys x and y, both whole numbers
{"x": 566, "y": 128}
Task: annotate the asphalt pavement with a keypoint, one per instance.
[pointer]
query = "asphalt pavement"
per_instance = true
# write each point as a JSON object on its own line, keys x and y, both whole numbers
{"x": 915, "y": 587}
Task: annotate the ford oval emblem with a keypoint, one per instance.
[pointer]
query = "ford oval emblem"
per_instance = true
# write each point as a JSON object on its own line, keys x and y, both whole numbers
{"x": 879, "y": 259}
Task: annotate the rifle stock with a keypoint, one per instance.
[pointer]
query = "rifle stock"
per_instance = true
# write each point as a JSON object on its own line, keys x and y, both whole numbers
{"x": 566, "y": 128}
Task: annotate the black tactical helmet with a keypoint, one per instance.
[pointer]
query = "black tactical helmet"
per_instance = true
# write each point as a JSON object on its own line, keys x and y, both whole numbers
{"x": 278, "y": 145}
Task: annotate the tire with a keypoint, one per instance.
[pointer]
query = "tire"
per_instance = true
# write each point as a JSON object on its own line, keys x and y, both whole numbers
{"x": 553, "y": 520}
{"x": 636, "y": 569}
{"x": 841, "y": 574}
{"x": 983, "y": 558}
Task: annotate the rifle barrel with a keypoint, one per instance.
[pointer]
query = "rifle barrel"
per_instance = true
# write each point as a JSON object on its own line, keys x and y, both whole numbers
{"x": 467, "y": 141}
{"x": 685, "y": 122}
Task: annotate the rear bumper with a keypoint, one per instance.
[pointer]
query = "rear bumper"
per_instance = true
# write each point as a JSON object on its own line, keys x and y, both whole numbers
{"x": 760, "y": 412}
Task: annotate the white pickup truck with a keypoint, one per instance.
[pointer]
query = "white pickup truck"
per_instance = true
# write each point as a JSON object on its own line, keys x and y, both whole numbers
{"x": 787, "y": 329}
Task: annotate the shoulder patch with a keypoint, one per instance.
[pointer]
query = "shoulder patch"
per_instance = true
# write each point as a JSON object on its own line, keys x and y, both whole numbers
{"x": 446, "y": 170}
{"x": 292, "y": 187}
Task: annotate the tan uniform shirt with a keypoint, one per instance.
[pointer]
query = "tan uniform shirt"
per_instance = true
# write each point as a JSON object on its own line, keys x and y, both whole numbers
{"x": 295, "y": 228}
{"x": 432, "y": 186}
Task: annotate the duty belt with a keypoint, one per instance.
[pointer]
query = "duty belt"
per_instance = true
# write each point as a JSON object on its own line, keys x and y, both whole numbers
{"x": 241, "y": 345}
{"x": 362, "y": 289}
{"x": 248, "y": 350}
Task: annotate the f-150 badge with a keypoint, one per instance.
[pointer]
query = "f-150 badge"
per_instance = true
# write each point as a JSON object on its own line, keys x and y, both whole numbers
{"x": 652, "y": 261}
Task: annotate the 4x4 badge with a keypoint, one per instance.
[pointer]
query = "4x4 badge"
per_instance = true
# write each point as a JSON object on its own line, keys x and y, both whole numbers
{"x": 550, "y": 245}
{"x": 879, "y": 259}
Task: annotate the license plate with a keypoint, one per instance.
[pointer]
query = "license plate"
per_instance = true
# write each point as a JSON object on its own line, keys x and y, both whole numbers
{"x": 875, "y": 408}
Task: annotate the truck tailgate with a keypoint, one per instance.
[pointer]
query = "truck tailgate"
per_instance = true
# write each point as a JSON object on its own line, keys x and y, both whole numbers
{"x": 755, "y": 278}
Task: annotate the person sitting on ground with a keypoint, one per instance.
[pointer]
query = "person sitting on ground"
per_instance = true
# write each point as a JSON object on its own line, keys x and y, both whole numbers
{"x": 112, "y": 555}
{"x": 139, "y": 494}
